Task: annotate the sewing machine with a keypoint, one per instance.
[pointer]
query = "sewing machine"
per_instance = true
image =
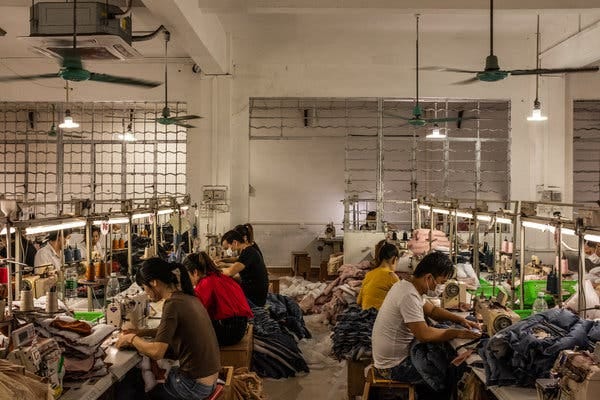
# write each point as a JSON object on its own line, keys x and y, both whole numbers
{"x": 494, "y": 314}
{"x": 454, "y": 294}
{"x": 128, "y": 311}
{"x": 579, "y": 375}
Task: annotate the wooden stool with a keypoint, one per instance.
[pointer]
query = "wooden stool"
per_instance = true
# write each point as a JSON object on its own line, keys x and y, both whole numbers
{"x": 376, "y": 381}
{"x": 300, "y": 264}
{"x": 240, "y": 354}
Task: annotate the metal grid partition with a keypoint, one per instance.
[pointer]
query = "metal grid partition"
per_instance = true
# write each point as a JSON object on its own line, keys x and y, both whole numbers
{"x": 586, "y": 151}
{"x": 118, "y": 153}
{"x": 388, "y": 162}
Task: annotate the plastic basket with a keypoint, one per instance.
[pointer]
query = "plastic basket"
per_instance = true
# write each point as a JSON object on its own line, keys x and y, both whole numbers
{"x": 523, "y": 313}
{"x": 90, "y": 316}
{"x": 488, "y": 290}
{"x": 532, "y": 288}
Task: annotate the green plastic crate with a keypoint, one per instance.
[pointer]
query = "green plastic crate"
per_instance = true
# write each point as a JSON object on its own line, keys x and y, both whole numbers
{"x": 532, "y": 288}
{"x": 523, "y": 313}
{"x": 488, "y": 290}
{"x": 90, "y": 316}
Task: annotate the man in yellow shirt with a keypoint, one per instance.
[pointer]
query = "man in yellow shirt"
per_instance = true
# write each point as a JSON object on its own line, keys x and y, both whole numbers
{"x": 380, "y": 280}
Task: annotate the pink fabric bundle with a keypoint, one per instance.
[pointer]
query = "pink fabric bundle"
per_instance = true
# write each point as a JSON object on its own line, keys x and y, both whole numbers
{"x": 419, "y": 244}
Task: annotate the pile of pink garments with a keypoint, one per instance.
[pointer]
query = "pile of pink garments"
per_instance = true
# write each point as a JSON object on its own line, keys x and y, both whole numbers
{"x": 419, "y": 243}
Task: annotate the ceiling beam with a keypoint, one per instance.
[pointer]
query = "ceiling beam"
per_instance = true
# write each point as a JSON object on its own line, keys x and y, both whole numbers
{"x": 201, "y": 35}
{"x": 577, "y": 50}
{"x": 410, "y": 6}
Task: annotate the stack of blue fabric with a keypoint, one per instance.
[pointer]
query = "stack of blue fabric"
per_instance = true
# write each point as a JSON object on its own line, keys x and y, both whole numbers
{"x": 351, "y": 334}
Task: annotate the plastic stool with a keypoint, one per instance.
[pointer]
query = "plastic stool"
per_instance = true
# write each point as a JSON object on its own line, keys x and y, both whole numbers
{"x": 376, "y": 381}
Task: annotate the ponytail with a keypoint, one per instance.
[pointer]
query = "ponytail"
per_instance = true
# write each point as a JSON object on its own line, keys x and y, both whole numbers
{"x": 202, "y": 263}
{"x": 170, "y": 274}
{"x": 247, "y": 232}
{"x": 184, "y": 278}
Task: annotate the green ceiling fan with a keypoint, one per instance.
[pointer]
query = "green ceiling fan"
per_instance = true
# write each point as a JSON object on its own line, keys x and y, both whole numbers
{"x": 492, "y": 71}
{"x": 166, "y": 118}
{"x": 417, "y": 119}
{"x": 72, "y": 68}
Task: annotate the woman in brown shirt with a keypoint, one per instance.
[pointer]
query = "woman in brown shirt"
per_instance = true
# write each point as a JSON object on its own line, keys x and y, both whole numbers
{"x": 185, "y": 330}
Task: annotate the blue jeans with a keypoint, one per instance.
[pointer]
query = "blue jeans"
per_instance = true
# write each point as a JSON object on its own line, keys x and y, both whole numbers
{"x": 181, "y": 387}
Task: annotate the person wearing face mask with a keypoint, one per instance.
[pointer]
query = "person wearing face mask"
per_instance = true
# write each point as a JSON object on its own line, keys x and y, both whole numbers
{"x": 247, "y": 232}
{"x": 51, "y": 253}
{"x": 251, "y": 267}
{"x": 222, "y": 297}
{"x": 380, "y": 280}
{"x": 185, "y": 330}
{"x": 401, "y": 319}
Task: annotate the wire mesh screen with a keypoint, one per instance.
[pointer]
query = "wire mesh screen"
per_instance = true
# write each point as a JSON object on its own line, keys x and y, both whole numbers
{"x": 119, "y": 152}
{"x": 473, "y": 162}
{"x": 586, "y": 151}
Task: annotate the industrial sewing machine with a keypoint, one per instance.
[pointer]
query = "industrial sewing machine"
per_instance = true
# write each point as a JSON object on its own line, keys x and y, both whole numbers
{"x": 494, "y": 314}
{"x": 128, "y": 311}
{"x": 455, "y": 294}
{"x": 578, "y": 374}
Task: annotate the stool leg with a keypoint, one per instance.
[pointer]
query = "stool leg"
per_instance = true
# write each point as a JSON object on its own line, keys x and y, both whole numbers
{"x": 365, "y": 395}
{"x": 411, "y": 393}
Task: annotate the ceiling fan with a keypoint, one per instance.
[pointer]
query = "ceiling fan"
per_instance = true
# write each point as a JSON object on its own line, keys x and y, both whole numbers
{"x": 417, "y": 119}
{"x": 492, "y": 71}
{"x": 72, "y": 68}
{"x": 166, "y": 118}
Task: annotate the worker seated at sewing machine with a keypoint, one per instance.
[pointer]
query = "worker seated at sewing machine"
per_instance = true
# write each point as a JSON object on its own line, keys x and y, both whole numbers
{"x": 28, "y": 249}
{"x": 51, "y": 253}
{"x": 222, "y": 297}
{"x": 185, "y": 329}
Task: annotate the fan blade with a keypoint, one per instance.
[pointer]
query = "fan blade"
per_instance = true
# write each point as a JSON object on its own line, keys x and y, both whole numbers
{"x": 122, "y": 80}
{"x": 387, "y": 114}
{"x": 552, "y": 71}
{"x": 467, "y": 81}
{"x": 184, "y": 117}
{"x": 71, "y": 59}
{"x": 27, "y": 77}
{"x": 444, "y": 69}
{"x": 436, "y": 120}
{"x": 183, "y": 125}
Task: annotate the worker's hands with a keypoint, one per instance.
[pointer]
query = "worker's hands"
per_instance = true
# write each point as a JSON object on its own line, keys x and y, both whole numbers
{"x": 470, "y": 324}
{"x": 125, "y": 340}
{"x": 134, "y": 331}
{"x": 467, "y": 334}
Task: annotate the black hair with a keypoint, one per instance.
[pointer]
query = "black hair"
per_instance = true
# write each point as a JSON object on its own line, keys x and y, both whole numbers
{"x": 247, "y": 232}
{"x": 95, "y": 229}
{"x": 372, "y": 214}
{"x": 202, "y": 263}
{"x": 53, "y": 236}
{"x": 230, "y": 236}
{"x": 589, "y": 243}
{"x": 387, "y": 251}
{"x": 159, "y": 269}
{"x": 436, "y": 263}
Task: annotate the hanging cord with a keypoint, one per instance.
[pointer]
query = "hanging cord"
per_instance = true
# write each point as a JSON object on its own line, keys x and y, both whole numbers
{"x": 537, "y": 60}
{"x": 492, "y": 27}
{"x": 417, "y": 52}
{"x": 149, "y": 36}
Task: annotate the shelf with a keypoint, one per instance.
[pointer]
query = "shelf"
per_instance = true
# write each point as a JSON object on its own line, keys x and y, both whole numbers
{"x": 118, "y": 250}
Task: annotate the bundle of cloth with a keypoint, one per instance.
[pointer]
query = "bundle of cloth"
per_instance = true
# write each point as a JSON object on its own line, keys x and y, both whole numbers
{"x": 351, "y": 334}
{"x": 277, "y": 329}
{"x": 419, "y": 243}
{"x": 246, "y": 385}
{"x": 303, "y": 291}
{"x": 17, "y": 383}
{"x": 527, "y": 350}
{"x": 591, "y": 291}
{"x": 341, "y": 292}
{"x": 81, "y": 344}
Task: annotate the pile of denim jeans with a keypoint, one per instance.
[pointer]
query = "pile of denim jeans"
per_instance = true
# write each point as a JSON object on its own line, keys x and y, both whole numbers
{"x": 526, "y": 351}
{"x": 351, "y": 334}
{"x": 276, "y": 334}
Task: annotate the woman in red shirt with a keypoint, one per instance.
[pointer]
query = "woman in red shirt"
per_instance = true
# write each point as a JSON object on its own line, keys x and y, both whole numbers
{"x": 222, "y": 297}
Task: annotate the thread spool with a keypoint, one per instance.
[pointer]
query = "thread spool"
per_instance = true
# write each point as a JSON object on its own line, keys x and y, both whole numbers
{"x": 90, "y": 272}
{"x": 26, "y": 300}
{"x": 510, "y": 248}
{"x": 76, "y": 254}
{"x": 68, "y": 255}
{"x": 100, "y": 270}
{"x": 115, "y": 243}
{"x": 51, "y": 302}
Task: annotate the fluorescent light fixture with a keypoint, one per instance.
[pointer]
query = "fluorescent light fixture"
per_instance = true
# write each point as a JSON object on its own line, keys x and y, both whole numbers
{"x": 536, "y": 113}
{"x": 113, "y": 221}
{"x": 424, "y": 207}
{"x": 567, "y": 231}
{"x": 464, "y": 214}
{"x": 127, "y": 137}
{"x": 502, "y": 220}
{"x": 436, "y": 133}
{"x": 32, "y": 230}
{"x": 68, "y": 123}
{"x": 141, "y": 216}
{"x": 441, "y": 211}
{"x": 164, "y": 212}
{"x": 592, "y": 238}
{"x": 537, "y": 225}
{"x": 184, "y": 207}
{"x": 3, "y": 231}
{"x": 484, "y": 218}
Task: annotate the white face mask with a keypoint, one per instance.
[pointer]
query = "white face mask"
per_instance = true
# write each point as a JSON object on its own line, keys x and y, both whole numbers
{"x": 229, "y": 252}
{"x": 436, "y": 291}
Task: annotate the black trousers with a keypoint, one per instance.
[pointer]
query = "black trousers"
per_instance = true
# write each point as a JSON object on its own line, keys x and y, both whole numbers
{"x": 231, "y": 330}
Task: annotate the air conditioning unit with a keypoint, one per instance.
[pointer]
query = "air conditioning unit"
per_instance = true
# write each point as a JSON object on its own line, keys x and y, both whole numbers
{"x": 99, "y": 36}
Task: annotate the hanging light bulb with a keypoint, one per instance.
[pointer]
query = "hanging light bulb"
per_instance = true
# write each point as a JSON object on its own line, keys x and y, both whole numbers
{"x": 127, "y": 137}
{"x": 436, "y": 133}
{"x": 68, "y": 122}
{"x": 536, "y": 113}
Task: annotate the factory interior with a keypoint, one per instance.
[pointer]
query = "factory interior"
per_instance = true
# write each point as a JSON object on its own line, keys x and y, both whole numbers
{"x": 274, "y": 199}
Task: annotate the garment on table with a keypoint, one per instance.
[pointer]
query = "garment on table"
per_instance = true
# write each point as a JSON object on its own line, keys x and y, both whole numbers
{"x": 527, "y": 350}
{"x": 222, "y": 297}
{"x": 391, "y": 337}
{"x": 255, "y": 278}
{"x": 47, "y": 255}
{"x": 80, "y": 327}
{"x": 375, "y": 286}
{"x": 186, "y": 327}
{"x": 351, "y": 335}
{"x": 14, "y": 384}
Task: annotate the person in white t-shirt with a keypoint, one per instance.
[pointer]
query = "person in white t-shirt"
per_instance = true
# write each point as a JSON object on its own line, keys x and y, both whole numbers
{"x": 401, "y": 319}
